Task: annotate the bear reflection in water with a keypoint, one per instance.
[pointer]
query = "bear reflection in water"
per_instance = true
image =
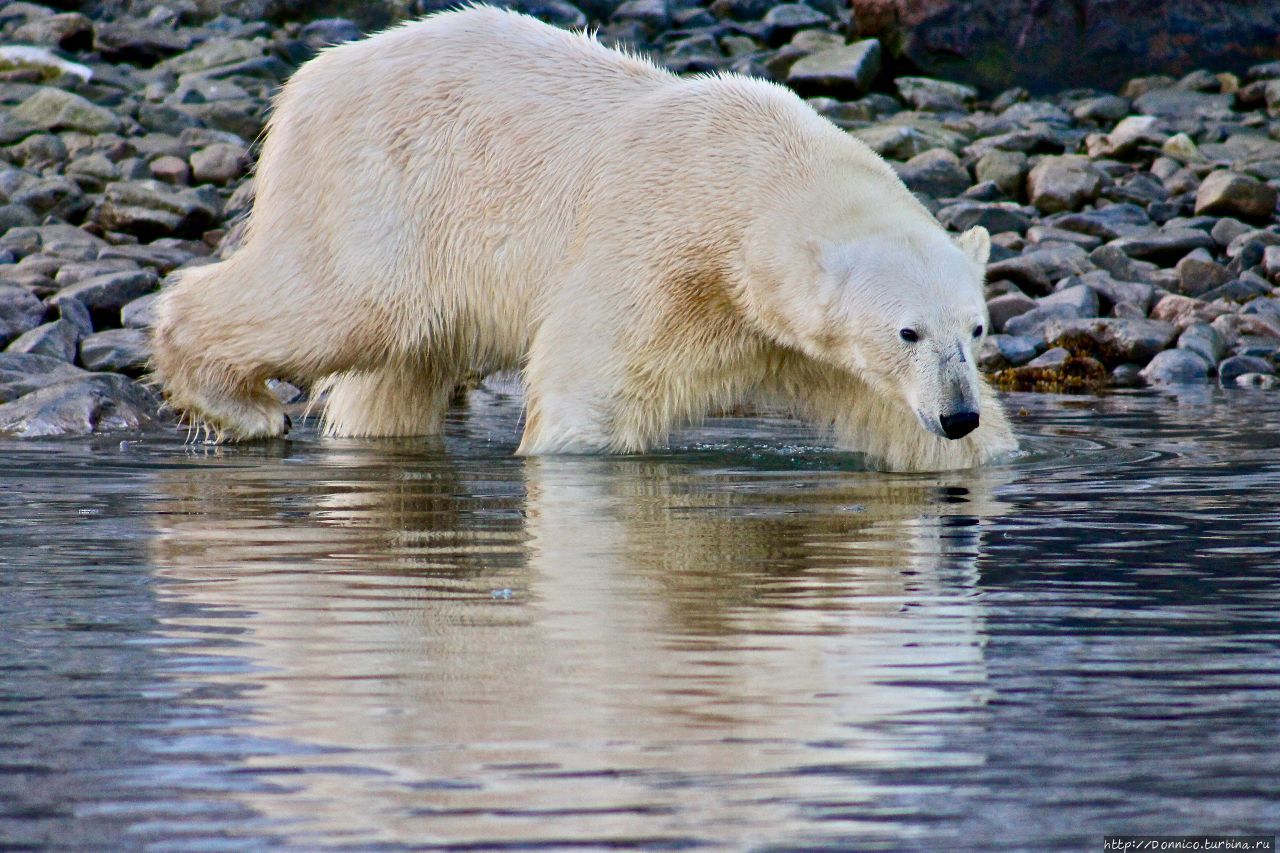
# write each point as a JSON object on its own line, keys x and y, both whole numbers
{"x": 460, "y": 619}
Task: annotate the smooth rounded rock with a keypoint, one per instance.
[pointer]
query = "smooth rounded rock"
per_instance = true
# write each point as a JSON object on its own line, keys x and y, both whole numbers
{"x": 1176, "y": 367}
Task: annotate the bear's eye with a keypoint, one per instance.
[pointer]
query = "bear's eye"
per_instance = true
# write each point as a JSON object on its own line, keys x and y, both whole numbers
{"x": 909, "y": 335}
{"x": 977, "y": 331}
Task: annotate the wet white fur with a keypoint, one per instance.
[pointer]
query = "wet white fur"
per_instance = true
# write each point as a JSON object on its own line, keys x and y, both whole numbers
{"x": 478, "y": 191}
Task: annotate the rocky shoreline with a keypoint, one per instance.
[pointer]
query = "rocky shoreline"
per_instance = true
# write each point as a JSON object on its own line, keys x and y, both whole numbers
{"x": 1136, "y": 238}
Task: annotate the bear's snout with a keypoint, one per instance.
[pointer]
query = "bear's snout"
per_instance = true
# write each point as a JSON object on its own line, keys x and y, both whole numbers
{"x": 959, "y": 424}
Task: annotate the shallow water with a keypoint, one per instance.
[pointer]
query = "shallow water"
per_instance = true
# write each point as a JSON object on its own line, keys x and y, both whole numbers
{"x": 743, "y": 643}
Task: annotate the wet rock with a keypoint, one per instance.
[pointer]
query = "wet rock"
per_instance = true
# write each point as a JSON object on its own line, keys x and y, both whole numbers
{"x": 1230, "y": 194}
{"x": 1204, "y": 340}
{"x": 57, "y": 340}
{"x": 1176, "y": 367}
{"x": 935, "y": 173}
{"x": 1198, "y": 273}
{"x": 117, "y": 351}
{"x": 19, "y": 312}
{"x": 1063, "y": 183}
{"x": 1239, "y": 365}
{"x": 839, "y": 71}
{"x": 1112, "y": 340}
{"x": 1167, "y": 245}
{"x": 22, "y": 373}
{"x": 55, "y": 109}
{"x": 150, "y": 209}
{"x": 1004, "y": 308}
{"x": 92, "y": 403}
{"x": 926, "y": 93}
{"x": 107, "y": 294}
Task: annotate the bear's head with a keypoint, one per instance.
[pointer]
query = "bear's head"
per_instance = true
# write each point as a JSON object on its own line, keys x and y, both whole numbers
{"x": 903, "y": 310}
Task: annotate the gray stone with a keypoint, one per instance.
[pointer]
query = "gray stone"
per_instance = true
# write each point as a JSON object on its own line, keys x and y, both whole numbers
{"x": 1082, "y": 298}
{"x": 1035, "y": 322}
{"x": 139, "y": 314}
{"x": 74, "y": 273}
{"x": 1238, "y": 365}
{"x": 1176, "y": 367}
{"x": 1271, "y": 263}
{"x": 16, "y": 216}
{"x": 1051, "y": 358}
{"x": 994, "y": 216}
{"x": 57, "y": 339}
{"x": 1131, "y": 133}
{"x": 1110, "y": 222}
{"x": 23, "y": 372}
{"x": 70, "y": 31}
{"x": 1166, "y": 245}
{"x": 20, "y": 312}
{"x": 213, "y": 53}
{"x": 926, "y": 93}
{"x": 1204, "y": 340}
{"x": 653, "y": 15}
{"x": 1050, "y": 234}
{"x": 935, "y": 173}
{"x": 73, "y": 311}
{"x": 150, "y": 209}
{"x": 1240, "y": 289}
{"x": 1103, "y": 110}
{"x": 1004, "y": 308}
{"x": 1198, "y": 273}
{"x": 92, "y": 403}
{"x": 1228, "y": 229}
{"x": 116, "y": 351}
{"x": 1063, "y": 183}
{"x": 1127, "y": 340}
{"x": 1120, "y": 265}
{"x": 786, "y": 19}
{"x": 55, "y": 109}
{"x": 1113, "y": 294}
{"x": 170, "y": 170}
{"x": 1179, "y": 103}
{"x": 1230, "y": 194}
{"x": 839, "y": 71}
{"x": 1000, "y": 351}
{"x": 112, "y": 291}
{"x": 92, "y": 172}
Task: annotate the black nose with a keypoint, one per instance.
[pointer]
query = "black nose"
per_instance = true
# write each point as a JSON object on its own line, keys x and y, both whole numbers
{"x": 960, "y": 424}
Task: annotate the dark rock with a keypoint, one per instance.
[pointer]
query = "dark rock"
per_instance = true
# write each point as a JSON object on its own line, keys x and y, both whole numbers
{"x": 1108, "y": 223}
{"x": 1230, "y": 194}
{"x": 150, "y": 209}
{"x": 935, "y": 173}
{"x": 19, "y": 312}
{"x": 1102, "y": 110}
{"x": 162, "y": 258}
{"x": 652, "y": 15}
{"x": 22, "y": 373}
{"x": 70, "y": 31}
{"x": 992, "y": 43}
{"x": 92, "y": 403}
{"x": 74, "y": 273}
{"x": 1238, "y": 365}
{"x": 107, "y": 294}
{"x": 138, "y": 44}
{"x": 1113, "y": 294}
{"x": 994, "y": 216}
{"x": 1176, "y": 367}
{"x": 57, "y": 339}
{"x": 1163, "y": 246}
{"x": 1238, "y": 290}
{"x": 330, "y": 31}
{"x": 1125, "y": 376}
{"x": 1179, "y": 103}
{"x": 116, "y": 351}
{"x": 1120, "y": 265}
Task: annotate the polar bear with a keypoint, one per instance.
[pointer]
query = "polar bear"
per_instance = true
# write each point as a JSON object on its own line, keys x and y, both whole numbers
{"x": 477, "y": 191}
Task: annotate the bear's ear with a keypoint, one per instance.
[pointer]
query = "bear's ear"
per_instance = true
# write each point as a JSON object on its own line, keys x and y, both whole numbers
{"x": 976, "y": 243}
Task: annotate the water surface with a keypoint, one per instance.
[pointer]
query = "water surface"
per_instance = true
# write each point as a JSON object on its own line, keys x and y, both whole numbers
{"x": 745, "y": 642}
